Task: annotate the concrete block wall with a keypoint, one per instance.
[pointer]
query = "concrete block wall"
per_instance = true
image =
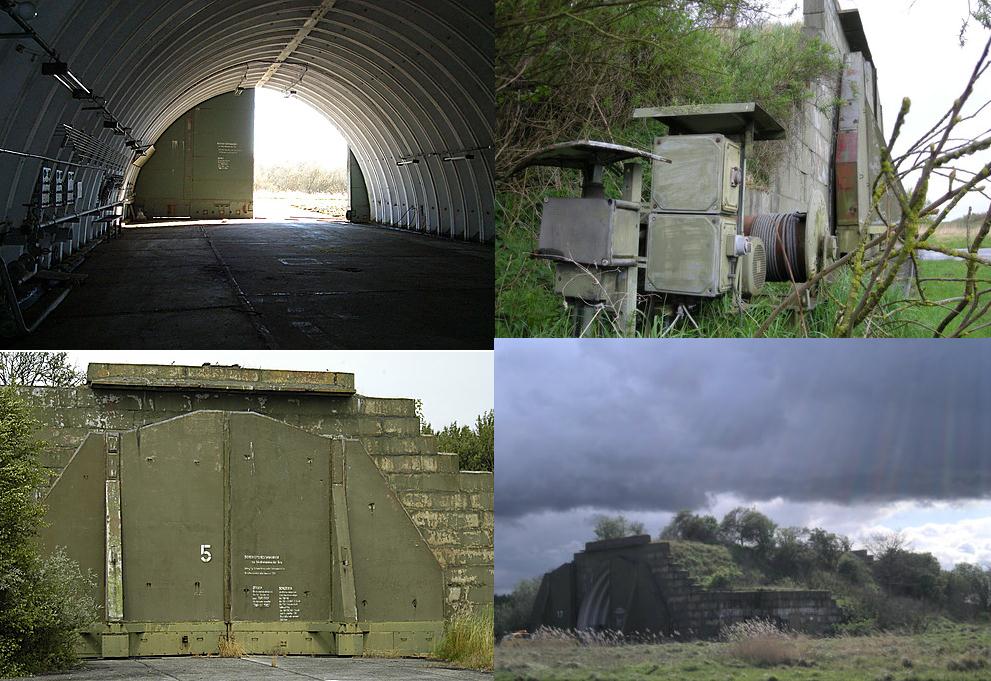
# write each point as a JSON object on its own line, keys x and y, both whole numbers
{"x": 453, "y": 509}
{"x": 812, "y": 612}
{"x": 698, "y": 612}
{"x": 807, "y": 159}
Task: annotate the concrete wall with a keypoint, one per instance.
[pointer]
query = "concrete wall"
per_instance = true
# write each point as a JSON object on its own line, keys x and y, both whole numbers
{"x": 453, "y": 509}
{"x": 808, "y": 155}
{"x": 204, "y": 164}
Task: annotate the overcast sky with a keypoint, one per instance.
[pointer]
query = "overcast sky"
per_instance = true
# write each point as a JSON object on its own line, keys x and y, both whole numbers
{"x": 916, "y": 49}
{"x": 289, "y": 131}
{"x": 454, "y": 386}
{"x": 854, "y": 437}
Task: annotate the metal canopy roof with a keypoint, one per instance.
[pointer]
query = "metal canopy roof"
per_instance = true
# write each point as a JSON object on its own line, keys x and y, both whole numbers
{"x": 583, "y": 153}
{"x": 708, "y": 119}
{"x": 405, "y": 79}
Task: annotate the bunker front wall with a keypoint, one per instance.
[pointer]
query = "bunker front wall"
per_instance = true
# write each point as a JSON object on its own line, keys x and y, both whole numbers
{"x": 452, "y": 509}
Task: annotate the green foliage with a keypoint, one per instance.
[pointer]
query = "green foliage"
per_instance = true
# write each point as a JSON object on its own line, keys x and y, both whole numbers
{"x": 968, "y": 589}
{"x": 710, "y": 565}
{"x": 475, "y": 446}
{"x": 512, "y": 611}
{"x": 749, "y": 528}
{"x": 308, "y": 178}
{"x": 616, "y": 527}
{"x": 42, "y": 601}
{"x": 694, "y": 528}
{"x": 854, "y": 570}
{"x": 910, "y": 574}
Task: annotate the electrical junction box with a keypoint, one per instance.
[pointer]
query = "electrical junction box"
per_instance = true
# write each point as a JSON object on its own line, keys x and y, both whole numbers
{"x": 703, "y": 177}
{"x": 589, "y": 231}
{"x": 688, "y": 254}
{"x": 591, "y": 285}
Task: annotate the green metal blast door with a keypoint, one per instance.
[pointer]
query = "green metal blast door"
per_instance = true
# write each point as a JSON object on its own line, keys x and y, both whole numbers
{"x": 219, "y": 525}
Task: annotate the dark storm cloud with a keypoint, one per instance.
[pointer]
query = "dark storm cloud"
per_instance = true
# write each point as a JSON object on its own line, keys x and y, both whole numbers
{"x": 630, "y": 425}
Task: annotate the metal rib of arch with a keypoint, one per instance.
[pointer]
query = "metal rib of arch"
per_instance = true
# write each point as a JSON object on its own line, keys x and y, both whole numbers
{"x": 408, "y": 79}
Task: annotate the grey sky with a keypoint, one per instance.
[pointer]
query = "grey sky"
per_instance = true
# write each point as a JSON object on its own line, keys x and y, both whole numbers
{"x": 918, "y": 55}
{"x": 841, "y": 434}
{"x": 454, "y": 386}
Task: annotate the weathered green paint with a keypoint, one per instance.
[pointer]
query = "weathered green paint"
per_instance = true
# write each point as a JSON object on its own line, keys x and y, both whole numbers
{"x": 239, "y": 522}
{"x": 452, "y": 510}
{"x": 702, "y": 178}
{"x": 204, "y": 163}
{"x": 346, "y": 603}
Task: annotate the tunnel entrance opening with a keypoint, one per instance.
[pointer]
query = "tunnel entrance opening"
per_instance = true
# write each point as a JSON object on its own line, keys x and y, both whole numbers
{"x": 301, "y": 160}
{"x": 89, "y": 86}
{"x": 252, "y": 153}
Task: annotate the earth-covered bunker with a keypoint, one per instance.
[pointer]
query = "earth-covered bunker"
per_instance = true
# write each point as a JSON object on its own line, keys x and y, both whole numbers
{"x": 634, "y": 586}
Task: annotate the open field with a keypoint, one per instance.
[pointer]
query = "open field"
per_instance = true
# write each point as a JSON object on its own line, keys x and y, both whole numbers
{"x": 949, "y": 652}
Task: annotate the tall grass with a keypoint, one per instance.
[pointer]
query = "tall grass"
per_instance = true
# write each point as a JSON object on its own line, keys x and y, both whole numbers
{"x": 230, "y": 647}
{"x": 469, "y": 639}
{"x": 761, "y": 643}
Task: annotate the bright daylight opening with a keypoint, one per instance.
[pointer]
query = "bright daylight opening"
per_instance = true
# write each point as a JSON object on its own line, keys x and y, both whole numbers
{"x": 300, "y": 160}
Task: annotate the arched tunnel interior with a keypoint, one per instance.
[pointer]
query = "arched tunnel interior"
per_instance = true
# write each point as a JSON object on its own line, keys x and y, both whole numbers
{"x": 89, "y": 86}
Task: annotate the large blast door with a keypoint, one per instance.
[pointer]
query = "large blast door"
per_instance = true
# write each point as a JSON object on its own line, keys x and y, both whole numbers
{"x": 217, "y": 525}
{"x": 280, "y": 529}
{"x": 172, "y": 493}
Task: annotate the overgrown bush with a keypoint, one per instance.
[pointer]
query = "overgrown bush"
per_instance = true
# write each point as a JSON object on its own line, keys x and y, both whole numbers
{"x": 42, "y": 600}
{"x": 854, "y": 570}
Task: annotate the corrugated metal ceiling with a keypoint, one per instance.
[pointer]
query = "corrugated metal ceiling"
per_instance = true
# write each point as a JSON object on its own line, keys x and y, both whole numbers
{"x": 404, "y": 79}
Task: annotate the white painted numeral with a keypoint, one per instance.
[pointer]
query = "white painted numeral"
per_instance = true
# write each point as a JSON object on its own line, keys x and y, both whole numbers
{"x": 205, "y": 554}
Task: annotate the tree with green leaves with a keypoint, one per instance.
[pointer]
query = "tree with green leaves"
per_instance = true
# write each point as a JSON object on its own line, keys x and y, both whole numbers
{"x": 39, "y": 368}
{"x": 42, "y": 600}
{"x": 475, "y": 446}
{"x": 688, "y": 526}
{"x": 749, "y": 528}
{"x": 616, "y": 527}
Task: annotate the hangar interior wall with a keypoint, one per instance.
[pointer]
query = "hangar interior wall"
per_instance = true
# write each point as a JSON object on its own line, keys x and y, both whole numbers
{"x": 204, "y": 164}
{"x": 453, "y": 509}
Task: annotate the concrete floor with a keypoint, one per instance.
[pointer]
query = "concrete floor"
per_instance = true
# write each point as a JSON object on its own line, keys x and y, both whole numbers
{"x": 289, "y": 284}
{"x": 260, "y": 668}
